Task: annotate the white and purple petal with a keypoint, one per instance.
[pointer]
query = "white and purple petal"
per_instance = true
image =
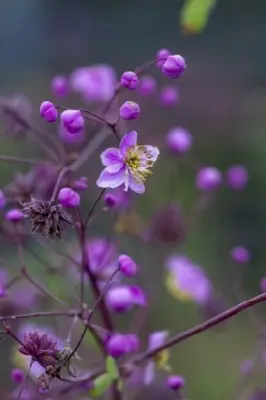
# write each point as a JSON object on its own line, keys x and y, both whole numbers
{"x": 136, "y": 186}
{"x": 128, "y": 141}
{"x": 157, "y": 339}
{"x": 111, "y": 180}
{"x": 149, "y": 373}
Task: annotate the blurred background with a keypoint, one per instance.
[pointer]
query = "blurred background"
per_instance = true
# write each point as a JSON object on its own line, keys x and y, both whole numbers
{"x": 222, "y": 103}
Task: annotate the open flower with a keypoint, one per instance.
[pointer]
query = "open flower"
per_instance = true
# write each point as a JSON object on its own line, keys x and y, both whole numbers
{"x": 160, "y": 360}
{"x": 129, "y": 165}
{"x": 186, "y": 280}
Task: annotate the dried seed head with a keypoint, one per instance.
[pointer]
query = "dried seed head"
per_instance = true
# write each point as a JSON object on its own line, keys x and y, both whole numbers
{"x": 41, "y": 348}
{"x": 46, "y": 217}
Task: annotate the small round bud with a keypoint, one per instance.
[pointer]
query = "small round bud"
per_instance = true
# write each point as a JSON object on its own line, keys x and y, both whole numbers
{"x": 59, "y": 86}
{"x": 174, "y": 66}
{"x": 118, "y": 344}
{"x": 2, "y": 199}
{"x": 147, "y": 85}
{"x": 240, "y": 254}
{"x": 208, "y": 178}
{"x": 179, "y": 140}
{"x": 123, "y": 297}
{"x": 169, "y": 96}
{"x": 237, "y": 177}
{"x": 81, "y": 183}
{"x": 126, "y": 265}
{"x": 14, "y": 215}
{"x": 17, "y": 375}
{"x": 129, "y": 110}
{"x": 129, "y": 80}
{"x": 162, "y": 56}
{"x": 175, "y": 382}
{"x": 73, "y": 120}
{"x": 110, "y": 200}
{"x": 68, "y": 198}
{"x": 48, "y": 111}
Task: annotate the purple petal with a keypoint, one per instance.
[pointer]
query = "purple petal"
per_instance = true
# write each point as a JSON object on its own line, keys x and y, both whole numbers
{"x": 111, "y": 156}
{"x": 111, "y": 180}
{"x": 129, "y": 140}
{"x": 149, "y": 373}
{"x": 138, "y": 296}
{"x": 115, "y": 168}
{"x": 137, "y": 187}
{"x": 152, "y": 151}
{"x": 156, "y": 339}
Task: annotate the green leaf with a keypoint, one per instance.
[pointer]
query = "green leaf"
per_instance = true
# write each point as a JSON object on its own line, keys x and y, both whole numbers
{"x": 101, "y": 384}
{"x": 195, "y": 14}
{"x": 111, "y": 367}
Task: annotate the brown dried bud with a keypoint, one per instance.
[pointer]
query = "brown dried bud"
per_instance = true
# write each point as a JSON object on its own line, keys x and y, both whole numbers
{"x": 46, "y": 217}
{"x": 41, "y": 348}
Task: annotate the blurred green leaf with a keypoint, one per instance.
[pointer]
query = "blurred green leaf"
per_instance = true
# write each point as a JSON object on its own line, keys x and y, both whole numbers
{"x": 111, "y": 367}
{"x": 101, "y": 384}
{"x": 195, "y": 14}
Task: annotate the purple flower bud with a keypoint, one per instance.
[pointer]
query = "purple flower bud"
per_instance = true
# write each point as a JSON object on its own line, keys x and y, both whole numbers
{"x": 117, "y": 198}
{"x": 240, "y": 254}
{"x": 73, "y": 120}
{"x": 17, "y": 375}
{"x": 147, "y": 85}
{"x": 263, "y": 284}
{"x": 129, "y": 110}
{"x": 59, "y": 86}
{"x": 169, "y": 96}
{"x": 119, "y": 344}
{"x": 208, "y": 178}
{"x": 175, "y": 382}
{"x": 179, "y": 140}
{"x": 124, "y": 297}
{"x": 127, "y": 266}
{"x": 129, "y": 80}
{"x": 110, "y": 200}
{"x": 237, "y": 177}
{"x": 14, "y": 215}
{"x": 81, "y": 183}
{"x": 48, "y": 111}
{"x": 162, "y": 56}
{"x": 68, "y": 198}
{"x": 2, "y": 199}
{"x": 174, "y": 66}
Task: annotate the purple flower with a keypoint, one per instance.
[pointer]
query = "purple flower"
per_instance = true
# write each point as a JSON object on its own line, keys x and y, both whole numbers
{"x": 174, "y": 66}
{"x": 156, "y": 339}
{"x": 73, "y": 121}
{"x": 129, "y": 165}
{"x": 117, "y": 198}
{"x": 14, "y": 215}
{"x": 96, "y": 83}
{"x": 237, "y": 177}
{"x": 121, "y": 344}
{"x": 208, "y": 178}
{"x": 162, "y": 56}
{"x": 129, "y": 80}
{"x": 123, "y": 297}
{"x": 68, "y": 198}
{"x": 17, "y": 375}
{"x": 179, "y": 140}
{"x": 169, "y": 96}
{"x": 68, "y": 137}
{"x": 59, "y": 86}
{"x": 129, "y": 110}
{"x": 186, "y": 280}
{"x": 80, "y": 183}
{"x": 48, "y": 111}
{"x": 175, "y": 382}
{"x": 147, "y": 85}
{"x": 240, "y": 254}
{"x": 127, "y": 266}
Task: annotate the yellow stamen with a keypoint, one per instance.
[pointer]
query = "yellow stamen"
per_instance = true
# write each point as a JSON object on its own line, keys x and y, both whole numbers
{"x": 175, "y": 290}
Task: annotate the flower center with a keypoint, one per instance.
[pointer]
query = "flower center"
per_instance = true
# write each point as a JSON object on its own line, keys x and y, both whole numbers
{"x": 138, "y": 160}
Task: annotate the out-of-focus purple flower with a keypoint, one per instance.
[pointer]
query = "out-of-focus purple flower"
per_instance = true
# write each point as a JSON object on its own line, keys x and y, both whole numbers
{"x": 59, "y": 86}
{"x": 169, "y": 96}
{"x": 186, "y": 280}
{"x": 121, "y": 344}
{"x": 240, "y": 254}
{"x": 48, "y": 111}
{"x": 2, "y": 199}
{"x": 162, "y": 56}
{"x": 179, "y": 140}
{"x": 129, "y": 80}
{"x": 117, "y": 198}
{"x": 123, "y": 297}
{"x": 68, "y": 198}
{"x": 129, "y": 165}
{"x": 147, "y": 85}
{"x": 14, "y": 215}
{"x": 237, "y": 177}
{"x": 17, "y": 375}
{"x": 72, "y": 120}
{"x": 208, "y": 178}
{"x": 175, "y": 382}
{"x": 24, "y": 294}
{"x": 96, "y": 83}
{"x": 174, "y": 66}
{"x": 263, "y": 284}
{"x": 127, "y": 266}
{"x": 68, "y": 137}
{"x": 160, "y": 361}
{"x": 129, "y": 110}
{"x": 80, "y": 183}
